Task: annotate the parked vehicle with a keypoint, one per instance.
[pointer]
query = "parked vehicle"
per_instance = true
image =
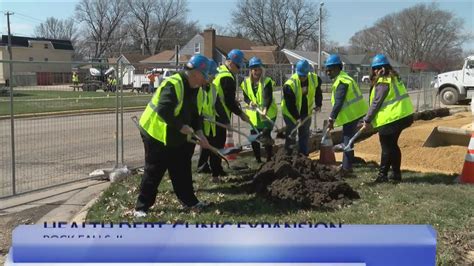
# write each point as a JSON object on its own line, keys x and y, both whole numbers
{"x": 141, "y": 81}
{"x": 455, "y": 86}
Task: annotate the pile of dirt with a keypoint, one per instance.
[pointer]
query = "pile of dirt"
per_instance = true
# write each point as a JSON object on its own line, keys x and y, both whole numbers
{"x": 297, "y": 179}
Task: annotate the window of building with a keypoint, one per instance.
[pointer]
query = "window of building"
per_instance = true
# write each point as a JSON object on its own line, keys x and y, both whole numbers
{"x": 31, "y": 58}
{"x": 46, "y": 46}
{"x": 197, "y": 48}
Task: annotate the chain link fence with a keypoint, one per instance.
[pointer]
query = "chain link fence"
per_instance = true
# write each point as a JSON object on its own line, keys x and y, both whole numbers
{"x": 59, "y": 131}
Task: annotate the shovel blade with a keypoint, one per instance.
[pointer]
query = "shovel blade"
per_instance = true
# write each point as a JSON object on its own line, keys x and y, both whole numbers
{"x": 232, "y": 150}
{"x": 339, "y": 147}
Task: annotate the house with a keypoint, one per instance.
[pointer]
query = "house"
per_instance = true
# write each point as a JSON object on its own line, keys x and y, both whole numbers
{"x": 355, "y": 65}
{"x": 49, "y": 51}
{"x": 216, "y": 47}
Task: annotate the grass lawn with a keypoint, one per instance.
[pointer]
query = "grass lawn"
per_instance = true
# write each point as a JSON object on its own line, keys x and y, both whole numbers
{"x": 52, "y": 101}
{"x": 421, "y": 199}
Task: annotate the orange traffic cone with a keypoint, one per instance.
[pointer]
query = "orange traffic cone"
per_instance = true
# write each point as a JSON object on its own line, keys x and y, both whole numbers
{"x": 467, "y": 175}
{"x": 229, "y": 143}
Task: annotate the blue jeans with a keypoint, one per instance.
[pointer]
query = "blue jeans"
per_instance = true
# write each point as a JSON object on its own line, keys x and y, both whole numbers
{"x": 348, "y": 131}
{"x": 303, "y": 135}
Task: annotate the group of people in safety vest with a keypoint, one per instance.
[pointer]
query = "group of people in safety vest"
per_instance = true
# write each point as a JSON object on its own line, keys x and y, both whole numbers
{"x": 186, "y": 107}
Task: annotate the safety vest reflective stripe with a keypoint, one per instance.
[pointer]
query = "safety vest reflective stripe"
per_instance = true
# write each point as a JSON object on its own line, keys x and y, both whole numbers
{"x": 396, "y": 105}
{"x": 223, "y": 72}
{"x": 398, "y": 96}
{"x": 150, "y": 121}
{"x": 293, "y": 84}
{"x": 258, "y": 100}
{"x": 354, "y": 105}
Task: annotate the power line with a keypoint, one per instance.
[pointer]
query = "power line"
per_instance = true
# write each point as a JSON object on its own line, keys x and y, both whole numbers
{"x": 29, "y": 17}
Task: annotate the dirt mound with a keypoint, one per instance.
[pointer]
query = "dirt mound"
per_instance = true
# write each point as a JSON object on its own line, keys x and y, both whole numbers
{"x": 300, "y": 180}
{"x": 430, "y": 114}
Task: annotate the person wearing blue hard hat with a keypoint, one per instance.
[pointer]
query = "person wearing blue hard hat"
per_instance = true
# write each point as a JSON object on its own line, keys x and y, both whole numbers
{"x": 301, "y": 96}
{"x": 348, "y": 106}
{"x": 262, "y": 111}
{"x": 226, "y": 104}
{"x": 390, "y": 112}
{"x": 207, "y": 97}
{"x": 169, "y": 119}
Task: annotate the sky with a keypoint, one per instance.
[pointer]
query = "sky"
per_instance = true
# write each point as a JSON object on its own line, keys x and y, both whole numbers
{"x": 345, "y": 17}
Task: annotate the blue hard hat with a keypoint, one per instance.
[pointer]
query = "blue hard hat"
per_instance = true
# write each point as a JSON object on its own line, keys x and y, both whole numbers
{"x": 237, "y": 57}
{"x": 255, "y": 62}
{"x": 199, "y": 62}
{"x": 379, "y": 60}
{"x": 333, "y": 60}
{"x": 212, "y": 67}
{"x": 302, "y": 68}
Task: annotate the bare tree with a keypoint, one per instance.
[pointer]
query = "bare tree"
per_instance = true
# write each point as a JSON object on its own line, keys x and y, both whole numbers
{"x": 419, "y": 33}
{"x": 102, "y": 18}
{"x": 54, "y": 28}
{"x": 155, "y": 22}
{"x": 286, "y": 24}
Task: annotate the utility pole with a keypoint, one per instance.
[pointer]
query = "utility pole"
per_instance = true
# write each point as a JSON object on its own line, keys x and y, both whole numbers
{"x": 319, "y": 39}
{"x": 10, "y": 84}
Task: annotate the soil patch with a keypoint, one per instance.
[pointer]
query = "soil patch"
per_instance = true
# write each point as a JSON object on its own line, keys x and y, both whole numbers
{"x": 298, "y": 179}
{"x": 446, "y": 160}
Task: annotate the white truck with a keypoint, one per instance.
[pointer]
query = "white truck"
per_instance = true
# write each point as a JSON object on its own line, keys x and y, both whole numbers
{"x": 139, "y": 82}
{"x": 455, "y": 86}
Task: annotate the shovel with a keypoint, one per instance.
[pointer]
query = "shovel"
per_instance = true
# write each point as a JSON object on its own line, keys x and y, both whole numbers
{"x": 212, "y": 149}
{"x": 193, "y": 138}
{"x": 277, "y": 129}
{"x": 345, "y": 148}
{"x": 250, "y": 138}
{"x": 292, "y": 133}
{"x": 326, "y": 154}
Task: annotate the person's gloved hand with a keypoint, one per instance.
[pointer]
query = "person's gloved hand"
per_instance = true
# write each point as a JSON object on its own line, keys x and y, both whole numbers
{"x": 330, "y": 124}
{"x": 317, "y": 109}
{"x": 366, "y": 126}
{"x": 186, "y": 130}
{"x": 203, "y": 142}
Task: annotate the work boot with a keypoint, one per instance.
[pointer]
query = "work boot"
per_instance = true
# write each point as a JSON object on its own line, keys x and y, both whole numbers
{"x": 139, "y": 214}
{"x": 381, "y": 178}
{"x": 198, "y": 207}
{"x": 216, "y": 179}
{"x": 396, "y": 177}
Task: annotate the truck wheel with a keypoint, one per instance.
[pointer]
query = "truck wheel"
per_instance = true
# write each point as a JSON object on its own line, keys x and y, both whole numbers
{"x": 145, "y": 88}
{"x": 449, "y": 96}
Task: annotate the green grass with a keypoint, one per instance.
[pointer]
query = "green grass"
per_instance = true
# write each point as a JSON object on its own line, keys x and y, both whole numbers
{"x": 421, "y": 199}
{"x": 26, "y": 102}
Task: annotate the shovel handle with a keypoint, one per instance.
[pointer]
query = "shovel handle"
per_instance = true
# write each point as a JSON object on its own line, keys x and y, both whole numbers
{"x": 299, "y": 125}
{"x": 351, "y": 141}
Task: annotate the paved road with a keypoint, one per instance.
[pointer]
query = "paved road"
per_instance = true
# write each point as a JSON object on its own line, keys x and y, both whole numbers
{"x": 54, "y": 150}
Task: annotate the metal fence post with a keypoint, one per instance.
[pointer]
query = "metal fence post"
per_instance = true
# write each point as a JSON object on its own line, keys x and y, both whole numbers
{"x": 116, "y": 129}
{"x": 120, "y": 69}
{"x": 12, "y": 126}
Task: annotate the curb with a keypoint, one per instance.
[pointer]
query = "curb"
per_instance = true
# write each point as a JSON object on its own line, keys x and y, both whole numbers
{"x": 71, "y": 113}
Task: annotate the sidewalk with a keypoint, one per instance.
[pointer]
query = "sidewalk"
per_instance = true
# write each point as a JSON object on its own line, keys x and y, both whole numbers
{"x": 63, "y": 203}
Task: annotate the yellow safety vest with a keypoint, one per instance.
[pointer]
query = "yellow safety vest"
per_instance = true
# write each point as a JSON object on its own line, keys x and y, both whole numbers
{"x": 206, "y": 102}
{"x": 257, "y": 99}
{"x": 295, "y": 84}
{"x": 75, "y": 78}
{"x": 354, "y": 105}
{"x": 223, "y": 72}
{"x": 396, "y": 105}
{"x": 150, "y": 120}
